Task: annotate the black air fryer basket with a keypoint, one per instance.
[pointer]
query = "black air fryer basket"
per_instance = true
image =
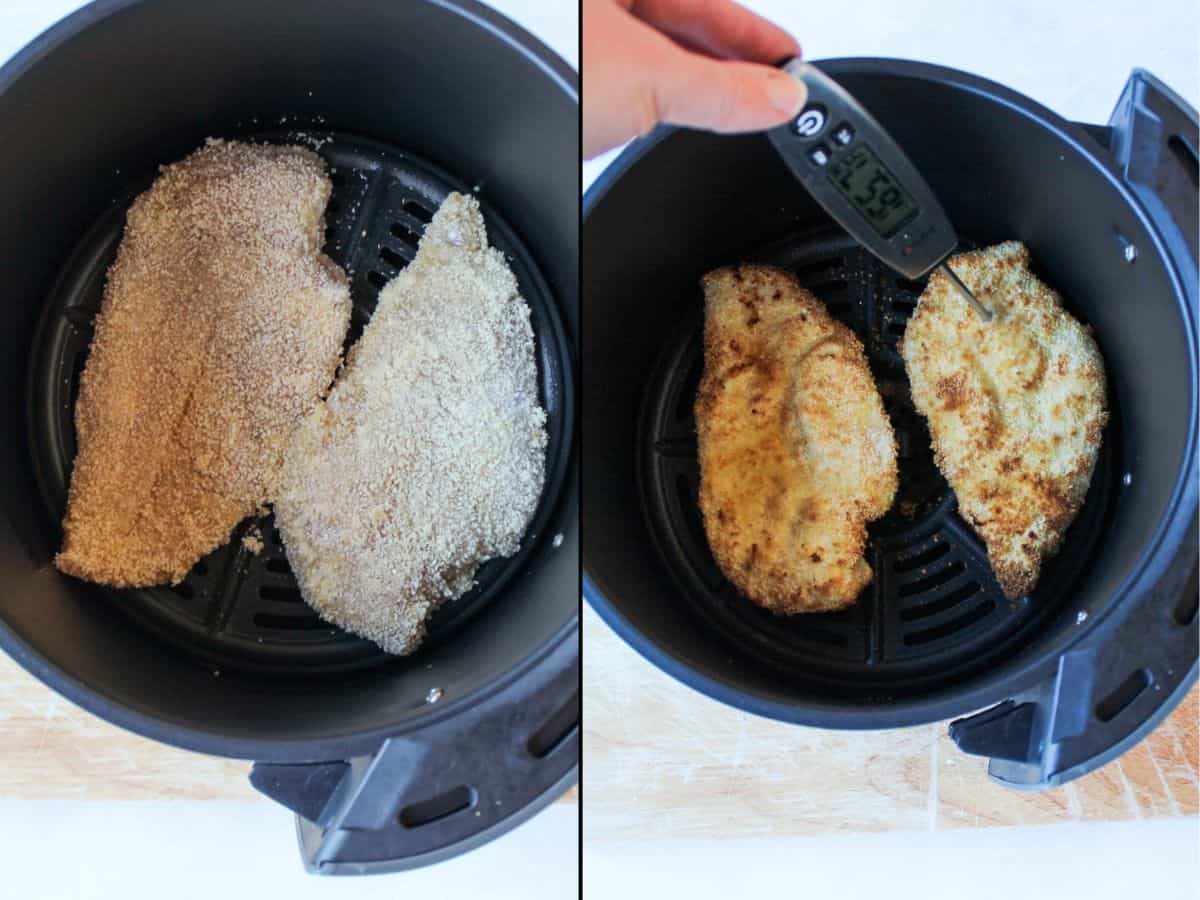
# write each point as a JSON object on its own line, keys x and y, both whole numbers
{"x": 388, "y": 762}
{"x": 1106, "y": 645}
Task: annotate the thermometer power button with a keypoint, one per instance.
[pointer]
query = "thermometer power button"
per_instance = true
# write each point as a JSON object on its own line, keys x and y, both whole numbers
{"x": 810, "y": 122}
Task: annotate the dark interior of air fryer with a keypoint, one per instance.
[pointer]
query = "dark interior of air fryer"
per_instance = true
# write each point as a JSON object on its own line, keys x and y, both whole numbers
{"x": 934, "y": 607}
{"x": 934, "y": 623}
{"x": 240, "y": 608}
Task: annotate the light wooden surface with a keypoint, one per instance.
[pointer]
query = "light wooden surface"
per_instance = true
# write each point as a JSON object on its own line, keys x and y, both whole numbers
{"x": 51, "y": 749}
{"x": 662, "y": 761}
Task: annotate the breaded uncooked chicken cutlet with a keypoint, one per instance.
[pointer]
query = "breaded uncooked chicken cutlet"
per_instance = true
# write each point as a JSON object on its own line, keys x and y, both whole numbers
{"x": 1016, "y": 406}
{"x": 796, "y": 451}
{"x": 221, "y": 326}
{"x": 429, "y": 455}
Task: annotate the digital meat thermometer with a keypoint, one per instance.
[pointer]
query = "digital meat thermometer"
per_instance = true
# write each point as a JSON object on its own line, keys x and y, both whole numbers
{"x": 862, "y": 178}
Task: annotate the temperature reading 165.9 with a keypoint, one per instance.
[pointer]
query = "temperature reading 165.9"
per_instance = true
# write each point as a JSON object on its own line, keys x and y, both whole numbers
{"x": 870, "y": 187}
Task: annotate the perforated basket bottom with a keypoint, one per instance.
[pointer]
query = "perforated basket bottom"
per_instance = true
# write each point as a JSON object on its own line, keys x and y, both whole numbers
{"x": 242, "y": 610}
{"x": 934, "y": 610}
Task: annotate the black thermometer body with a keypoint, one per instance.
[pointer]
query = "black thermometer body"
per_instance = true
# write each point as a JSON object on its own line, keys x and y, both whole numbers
{"x": 861, "y": 177}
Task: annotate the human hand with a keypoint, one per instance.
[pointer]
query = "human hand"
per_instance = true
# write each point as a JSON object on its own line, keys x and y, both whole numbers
{"x": 702, "y": 63}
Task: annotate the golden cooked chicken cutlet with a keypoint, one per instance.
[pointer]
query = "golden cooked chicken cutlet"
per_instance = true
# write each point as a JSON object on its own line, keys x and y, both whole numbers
{"x": 221, "y": 325}
{"x": 1016, "y": 406}
{"x": 796, "y": 452}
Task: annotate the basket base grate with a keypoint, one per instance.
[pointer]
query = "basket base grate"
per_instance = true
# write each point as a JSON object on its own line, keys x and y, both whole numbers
{"x": 934, "y": 609}
{"x": 240, "y": 609}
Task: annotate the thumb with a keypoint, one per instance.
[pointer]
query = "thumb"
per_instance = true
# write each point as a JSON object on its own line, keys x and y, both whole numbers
{"x": 724, "y": 96}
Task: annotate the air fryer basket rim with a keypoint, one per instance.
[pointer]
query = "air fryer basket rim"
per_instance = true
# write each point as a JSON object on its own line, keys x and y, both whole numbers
{"x": 214, "y": 743}
{"x": 1016, "y": 675}
{"x": 496, "y": 24}
{"x": 134, "y": 717}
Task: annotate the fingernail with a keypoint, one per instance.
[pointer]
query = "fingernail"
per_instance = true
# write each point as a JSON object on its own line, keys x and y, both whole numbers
{"x": 786, "y": 93}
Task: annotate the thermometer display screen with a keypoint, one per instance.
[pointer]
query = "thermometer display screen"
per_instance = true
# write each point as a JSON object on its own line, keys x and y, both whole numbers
{"x": 871, "y": 189}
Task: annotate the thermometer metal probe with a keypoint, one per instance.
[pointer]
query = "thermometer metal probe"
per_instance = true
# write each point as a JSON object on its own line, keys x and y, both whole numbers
{"x": 866, "y": 183}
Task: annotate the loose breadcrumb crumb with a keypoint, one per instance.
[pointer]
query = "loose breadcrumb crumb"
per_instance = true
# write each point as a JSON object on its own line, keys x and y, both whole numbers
{"x": 252, "y": 541}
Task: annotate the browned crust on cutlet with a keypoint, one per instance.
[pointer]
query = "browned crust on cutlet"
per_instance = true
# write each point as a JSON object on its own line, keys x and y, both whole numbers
{"x": 1016, "y": 407}
{"x": 796, "y": 452}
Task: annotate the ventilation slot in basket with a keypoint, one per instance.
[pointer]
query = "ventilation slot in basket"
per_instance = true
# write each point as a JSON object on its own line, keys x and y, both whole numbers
{"x": 280, "y": 594}
{"x": 963, "y": 622}
{"x": 814, "y": 272}
{"x": 823, "y": 288}
{"x": 1124, "y": 694}
{"x": 278, "y": 565}
{"x": 933, "y": 580}
{"x": 557, "y": 729}
{"x": 1185, "y": 609}
{"x": 289, "y": 623}
{"x": 417, "y": 211}
{"x": 392, "y": 258}
{"x": 808, "y": 632}
{"x": 442, "y": 806}
{"x": 406, "y": 235}
{"x": 940, "y": 604}
{"x": 924, "y": 558}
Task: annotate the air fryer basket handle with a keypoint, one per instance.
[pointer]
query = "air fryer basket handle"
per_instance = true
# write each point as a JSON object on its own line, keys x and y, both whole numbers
{"x": 1109, "y": 691}
{"x": 1155, "y": 139}
{"x": 449, "y": 787}
{"x": 1129, "y": 670}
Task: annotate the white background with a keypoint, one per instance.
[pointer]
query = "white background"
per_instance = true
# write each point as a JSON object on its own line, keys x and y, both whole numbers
{"x": 1073, "y": 56}
{"x": 212, "y": 850}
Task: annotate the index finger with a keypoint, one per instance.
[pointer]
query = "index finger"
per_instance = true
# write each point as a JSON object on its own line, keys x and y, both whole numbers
{"x": 719, "y": 28}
